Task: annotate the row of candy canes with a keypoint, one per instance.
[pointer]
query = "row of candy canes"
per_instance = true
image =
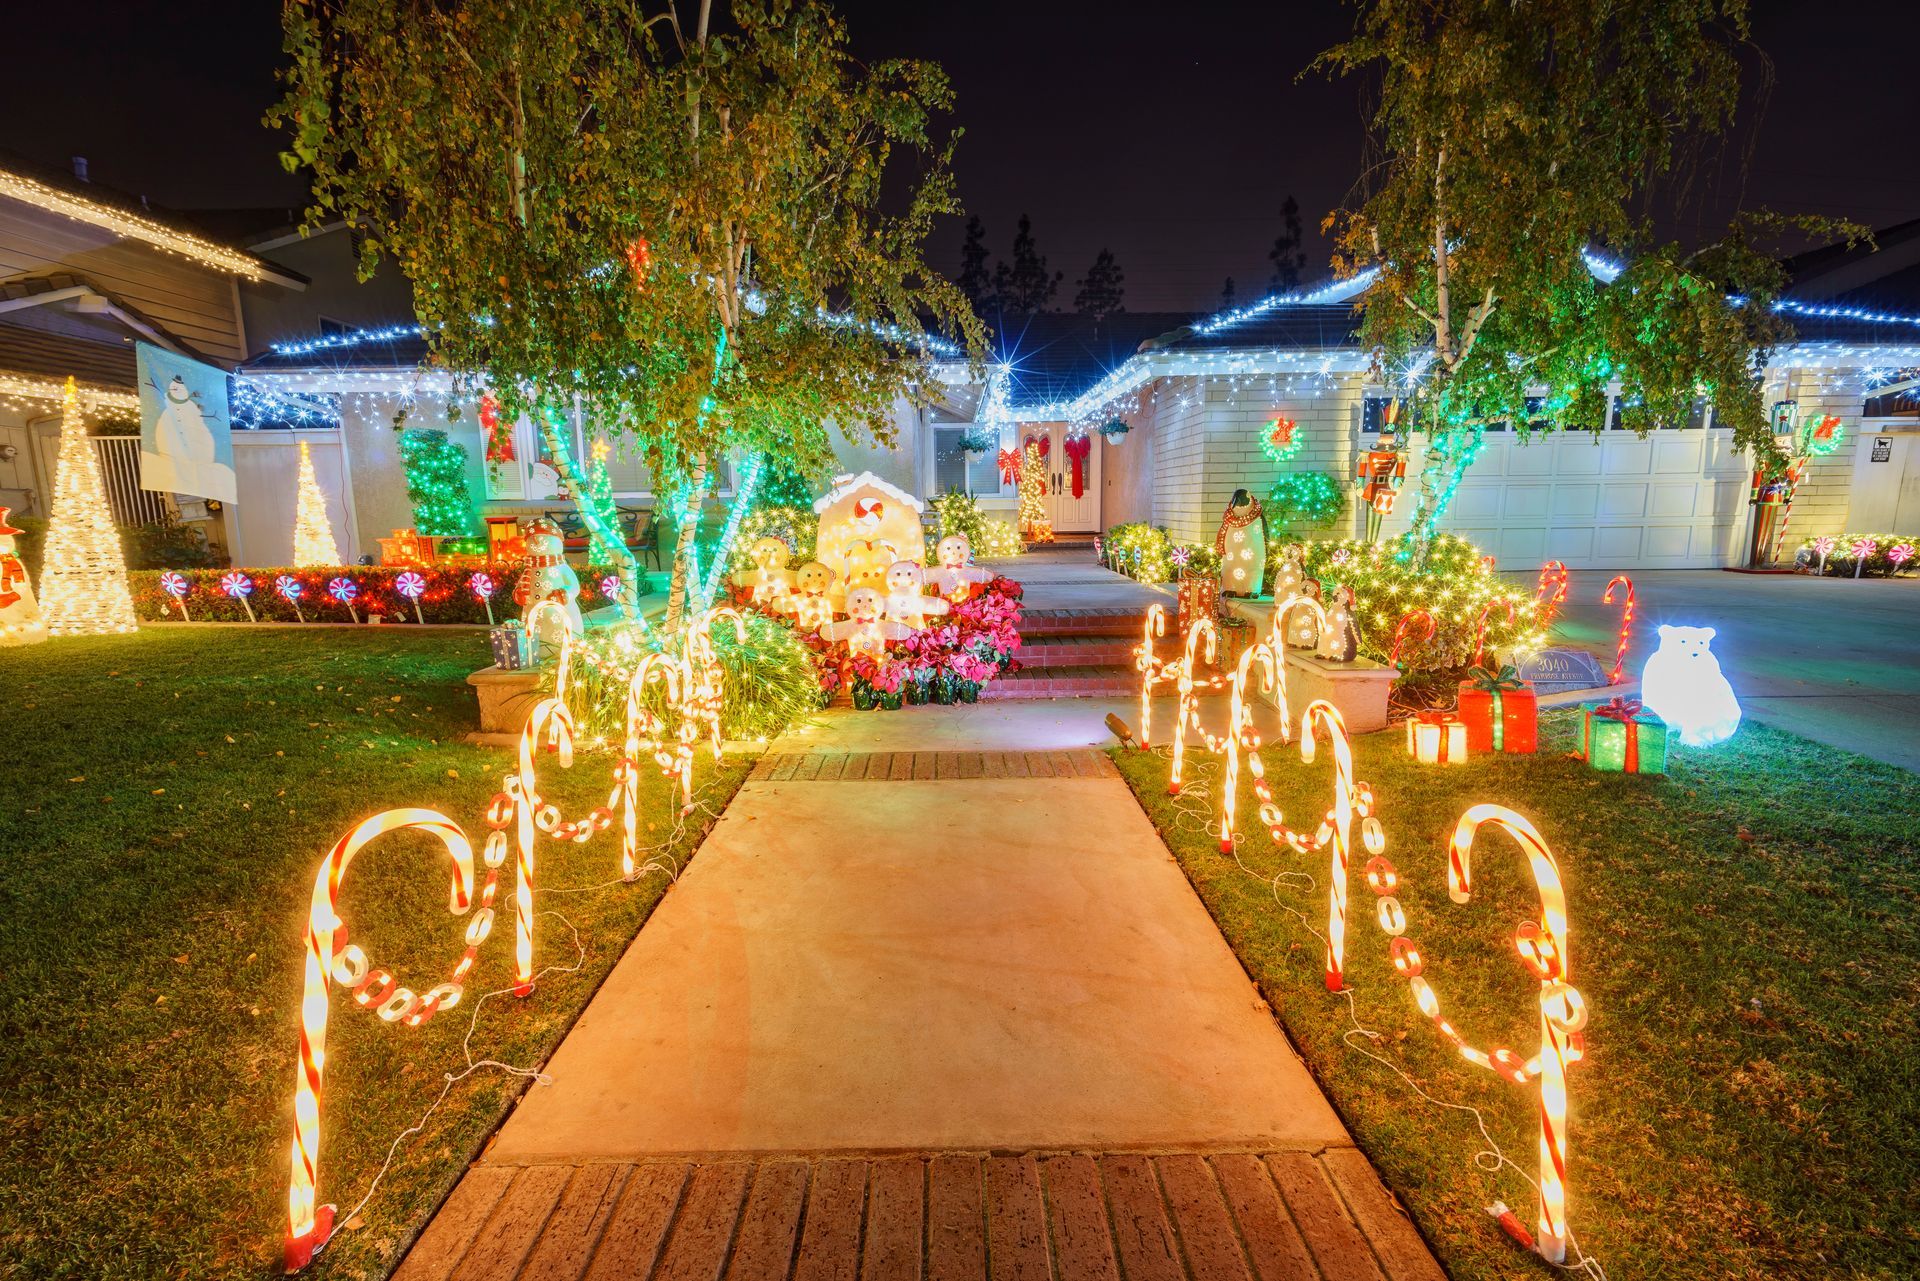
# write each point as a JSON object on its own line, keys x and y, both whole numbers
{"x": 693, "y": 684}
{"x": 1543, "y": 946}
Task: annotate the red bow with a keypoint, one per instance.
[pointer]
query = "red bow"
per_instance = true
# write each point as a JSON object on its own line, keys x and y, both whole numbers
{"x": 1624, "y": 710}
{"x": 1010, "y": 467}
{"x": 1435, "y": 717}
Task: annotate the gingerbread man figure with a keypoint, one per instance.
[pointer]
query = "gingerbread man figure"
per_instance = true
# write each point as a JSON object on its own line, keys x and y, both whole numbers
{"x": 907, "y": 600}
{"x": 863, "y": 630}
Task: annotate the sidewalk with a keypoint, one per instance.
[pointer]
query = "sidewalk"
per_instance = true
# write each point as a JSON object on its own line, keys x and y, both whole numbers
{"x": 926, "y": 1006}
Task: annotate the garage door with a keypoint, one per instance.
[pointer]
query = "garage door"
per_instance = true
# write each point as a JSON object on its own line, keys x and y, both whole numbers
{"x": 1675, "y": 500}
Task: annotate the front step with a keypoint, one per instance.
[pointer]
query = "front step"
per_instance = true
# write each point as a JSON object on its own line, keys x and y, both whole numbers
{"x": 1037, "y": 623}
{"x": 1063, "y": 682}
{"x": 1075, "y": 651}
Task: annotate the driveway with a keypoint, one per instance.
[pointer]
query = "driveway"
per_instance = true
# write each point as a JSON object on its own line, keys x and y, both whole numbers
{"x": 1836, "y": 660}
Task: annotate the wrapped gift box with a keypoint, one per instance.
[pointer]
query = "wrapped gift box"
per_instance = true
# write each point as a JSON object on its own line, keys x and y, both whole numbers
{"x": 1500, "y": 712}
{"x": 1621, "y": 737}
{"x": 1437, "y": 738}
{"x": 511, "y": 650}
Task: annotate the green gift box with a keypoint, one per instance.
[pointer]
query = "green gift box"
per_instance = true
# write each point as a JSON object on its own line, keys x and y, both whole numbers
{"x": 1623, "y": 738}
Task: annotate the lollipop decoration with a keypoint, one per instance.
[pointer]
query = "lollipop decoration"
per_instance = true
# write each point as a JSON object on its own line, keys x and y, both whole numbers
{"x": 1401, "y": 635}
{"x": 290, "y": 589}
{"x": 343, "y": 590}
{"x": 1861, "y": 549}
{"x": 1551, "y": 592}
{"x": 1563, "y": 1011}
{"x": 1626, "y": 624}
{"x": 1899, "y": 554}
{"x": 239, "y": 586}
{"x": 610, "y": 588}
{"x": 482, "y": 585}
{"x": 1823, "y": 546}
{"x": 413, "y": 587}
{"x": 176, "y": 586}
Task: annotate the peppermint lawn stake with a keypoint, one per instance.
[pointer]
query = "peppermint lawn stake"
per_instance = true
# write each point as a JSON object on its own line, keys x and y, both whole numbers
{"x": 290, "y": 588}
{"x": 343, "y": 590}
{"x": 482, "y": 585}
{"x": 610, "y": 588}
{"x": 176, "y": 586}
{"x": 239, "y": 586}
{"x": 412, "y": 586}
{"x": 1862, "y": 548}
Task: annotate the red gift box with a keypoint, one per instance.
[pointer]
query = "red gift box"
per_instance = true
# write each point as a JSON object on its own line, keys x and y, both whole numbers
{"x": 1500, "y": 712}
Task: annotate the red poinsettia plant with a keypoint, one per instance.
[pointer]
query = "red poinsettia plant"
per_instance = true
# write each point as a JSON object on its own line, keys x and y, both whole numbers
{"x": 945, "y": 662}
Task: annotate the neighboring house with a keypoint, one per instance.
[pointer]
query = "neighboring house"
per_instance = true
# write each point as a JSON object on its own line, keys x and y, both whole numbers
{"x": 85, "y": 272}
{"x": 1196, "y": 393}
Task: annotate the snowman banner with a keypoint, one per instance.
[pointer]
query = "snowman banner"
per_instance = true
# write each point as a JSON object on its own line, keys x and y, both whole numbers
{"x": 184, "y": 445}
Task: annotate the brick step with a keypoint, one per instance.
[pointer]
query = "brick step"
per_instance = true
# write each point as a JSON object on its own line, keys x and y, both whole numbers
{"x": 1036, "y": 623}
{"x": 1075, "y": 651}
{"x": 1107, "y": 681}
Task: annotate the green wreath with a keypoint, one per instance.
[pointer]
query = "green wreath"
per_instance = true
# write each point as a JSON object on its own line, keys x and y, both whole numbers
{"x": 1281, "y": 439}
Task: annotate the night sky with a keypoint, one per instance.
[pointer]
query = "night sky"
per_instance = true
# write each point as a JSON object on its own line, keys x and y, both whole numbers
{"x": 1170, "y": 134}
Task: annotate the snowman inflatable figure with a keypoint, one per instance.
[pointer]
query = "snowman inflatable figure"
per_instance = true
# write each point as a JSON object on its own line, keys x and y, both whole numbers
{"x": 19, "y": 613}
{"x": 186, "y": 461}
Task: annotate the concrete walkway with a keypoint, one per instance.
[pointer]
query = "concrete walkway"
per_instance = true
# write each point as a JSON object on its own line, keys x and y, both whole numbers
{"x": 932, "y": 1000}
{"x": 1834, "y": 659}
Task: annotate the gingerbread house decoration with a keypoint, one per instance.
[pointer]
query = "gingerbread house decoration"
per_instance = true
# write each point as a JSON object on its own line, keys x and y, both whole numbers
{"x": 866, "y": 525}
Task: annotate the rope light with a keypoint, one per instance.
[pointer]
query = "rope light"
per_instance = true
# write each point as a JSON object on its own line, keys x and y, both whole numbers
{"x": 132, "y": 226}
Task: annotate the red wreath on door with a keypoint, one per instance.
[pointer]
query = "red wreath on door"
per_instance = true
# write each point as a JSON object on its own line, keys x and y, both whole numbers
{"x": 1078, "y": 448}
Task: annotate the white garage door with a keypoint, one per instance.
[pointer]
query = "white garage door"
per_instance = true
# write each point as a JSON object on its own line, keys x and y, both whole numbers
{"x": 1675, "y": 500}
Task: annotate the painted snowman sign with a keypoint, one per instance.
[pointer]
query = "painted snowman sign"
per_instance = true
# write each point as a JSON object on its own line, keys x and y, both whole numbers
{"x": 185, "y": 458}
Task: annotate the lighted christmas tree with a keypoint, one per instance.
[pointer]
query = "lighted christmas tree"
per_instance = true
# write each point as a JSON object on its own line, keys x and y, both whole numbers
{"x": 437, "y": 483}
{"x": 1034, "y": 525}
{"x": 83, "y": 584}
{"x": 312, "y": 533}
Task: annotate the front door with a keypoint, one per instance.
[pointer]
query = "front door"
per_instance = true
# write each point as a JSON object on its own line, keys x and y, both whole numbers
{"x": 1073, "y": 513}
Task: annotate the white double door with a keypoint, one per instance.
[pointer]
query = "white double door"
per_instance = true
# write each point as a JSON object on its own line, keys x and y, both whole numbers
{"x": 1070, "y": 513}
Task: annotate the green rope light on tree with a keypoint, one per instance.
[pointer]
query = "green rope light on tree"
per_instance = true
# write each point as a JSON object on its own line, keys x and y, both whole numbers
{"x": 436, "y": 470}
{"x": 742, "y": 503}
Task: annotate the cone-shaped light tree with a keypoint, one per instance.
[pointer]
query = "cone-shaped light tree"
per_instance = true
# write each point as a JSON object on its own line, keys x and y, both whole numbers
{"x": 83, "y": 583}
{"x": 313, "y": 542}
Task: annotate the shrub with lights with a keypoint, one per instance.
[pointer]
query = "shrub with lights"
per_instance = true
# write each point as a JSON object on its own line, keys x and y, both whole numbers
{"x": 1141, "y": 551}
{"x": 1888, "y": 554}
{"x": 959, "y": 513}
{"x": 1305, "y": 499}
{"x": 796, "y": 526}
{"x": 1454, "y": 586}
{"x": 436, "y": 470}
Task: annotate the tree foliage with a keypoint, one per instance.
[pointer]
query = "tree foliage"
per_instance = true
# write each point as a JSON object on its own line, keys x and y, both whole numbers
{"x": 1512, "y": 138}
{"x": 651, "y": 219}
{"x": 1023, "y": 285}
{"x": 1103, "y": 289}
{"x": 1287, "y": 256}
{"x": 975, "y": 281}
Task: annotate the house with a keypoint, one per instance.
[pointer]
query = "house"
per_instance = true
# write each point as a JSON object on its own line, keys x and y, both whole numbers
{"x": 85, "y": 272}
{"x": 1195, "y": 394}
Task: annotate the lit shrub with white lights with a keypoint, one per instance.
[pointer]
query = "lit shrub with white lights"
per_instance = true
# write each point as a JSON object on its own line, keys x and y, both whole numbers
{"x": 1141, "y": 551}
{"x": 958, "y": 513}
{"x": 1453, "y": 585}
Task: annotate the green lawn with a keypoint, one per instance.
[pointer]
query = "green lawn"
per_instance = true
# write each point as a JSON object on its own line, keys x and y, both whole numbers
{"x": 174, "y": 792}
{"x": 1745, "y": 933}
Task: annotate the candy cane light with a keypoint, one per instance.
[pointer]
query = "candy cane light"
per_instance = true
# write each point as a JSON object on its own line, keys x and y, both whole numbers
{"x": 1543, "y": 949}
{"x": 1257, "y": 659}
{"x": 1277, "y": 636}
{"x": 1152, "y": 670}
{"x": 328, "y": 956}
{"x": 1626, "y": 623}
{"x": 1551, "y": 592}
{"x": 1201, "y": 639}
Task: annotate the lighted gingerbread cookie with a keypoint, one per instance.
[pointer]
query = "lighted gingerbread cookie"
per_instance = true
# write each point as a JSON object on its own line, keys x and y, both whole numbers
{"x": 769, "y": 580}
{"x": 810, "y": 603}
{"x": 957, "y": 577}
{"x": 907, "y": 600}
{"x": 864, "y": 631}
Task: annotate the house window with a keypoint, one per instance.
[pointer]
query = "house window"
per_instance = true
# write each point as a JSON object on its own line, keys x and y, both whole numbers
{"x": 956, "y": 469}
{"x": 1374, "y": 410}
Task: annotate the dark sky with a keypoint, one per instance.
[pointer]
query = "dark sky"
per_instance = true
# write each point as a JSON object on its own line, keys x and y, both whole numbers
{"x": 1168, "y": 133}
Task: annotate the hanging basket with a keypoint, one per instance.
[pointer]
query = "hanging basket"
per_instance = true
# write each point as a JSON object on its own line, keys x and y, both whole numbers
{"x": 1114, "y": 430}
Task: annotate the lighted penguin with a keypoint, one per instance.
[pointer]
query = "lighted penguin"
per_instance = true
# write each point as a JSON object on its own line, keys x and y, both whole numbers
{"x": 1682, "y": 684}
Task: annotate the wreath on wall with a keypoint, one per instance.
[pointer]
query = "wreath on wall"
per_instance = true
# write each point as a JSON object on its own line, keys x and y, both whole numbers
{"x": 1281, "y": 439}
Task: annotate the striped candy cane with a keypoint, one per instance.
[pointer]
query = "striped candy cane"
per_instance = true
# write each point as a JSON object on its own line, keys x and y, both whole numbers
{"x": 1200, "y": 629}
{"x": 1543, "y": 948}
{"x": 1322, "y": 716}
{"x": 1480, "y": 626}
{"x": 1277, "y": 636}
{"x": 327, "y": 956}
{"x": 1400, "y": 637}
{"x": 1152, "y": 670}
{"x": 1241, "y": 736}
{"x": 1626, "y": 624}
{"x": 646, "y": 733}
{"x": 1551, "y": 592}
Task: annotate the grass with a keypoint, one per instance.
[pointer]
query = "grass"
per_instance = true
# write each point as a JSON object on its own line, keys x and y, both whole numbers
{"x": 1744, "y": 931}
{"x": 174, "y": 792}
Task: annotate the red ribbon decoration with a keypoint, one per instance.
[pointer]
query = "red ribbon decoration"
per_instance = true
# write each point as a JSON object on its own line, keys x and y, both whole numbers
{"x": 1624, "y": 710}
{"x": 1010, "y": 467}
{"x": 1078, "y": 447}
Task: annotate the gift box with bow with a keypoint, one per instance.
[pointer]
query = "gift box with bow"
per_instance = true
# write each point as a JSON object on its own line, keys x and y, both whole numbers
{"x": 1623, "y": 737}
{"x": 511, "y": 648}
{"x": 1437, "y": 738}
{"x": 1499, "y": 711}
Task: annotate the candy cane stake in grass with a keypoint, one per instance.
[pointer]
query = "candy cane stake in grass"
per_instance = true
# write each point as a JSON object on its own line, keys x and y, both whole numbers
{"x": 309, "y": 1225}
{"x": 1412, "y": 618}
{"x": 1152, "y": 670}
{"x": 1201, "y": 629}
{"x": 1551, "y": 593}
{"x": 1480, "y": 626}
{"x": 1241, "y": 736}
{"x": 1626, "y": 625}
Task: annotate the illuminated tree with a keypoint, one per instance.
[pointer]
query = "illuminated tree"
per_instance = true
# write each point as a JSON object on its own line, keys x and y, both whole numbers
{"x": 680, "y": 228}
{"x": 1512, "y": 138}
{"x": 1033, "y": 484}
{"x": 437, "y": 487}
{"x": 313, "y": 542}
{"x": 83, "y": 579}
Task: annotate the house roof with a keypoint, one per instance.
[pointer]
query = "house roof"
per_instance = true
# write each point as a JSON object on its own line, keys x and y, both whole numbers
{"x": 132, "y": 218}
{"x": 866, "y": 480}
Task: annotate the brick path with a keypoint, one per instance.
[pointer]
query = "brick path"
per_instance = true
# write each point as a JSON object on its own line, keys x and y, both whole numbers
{"x": 1292, "y": 1216}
